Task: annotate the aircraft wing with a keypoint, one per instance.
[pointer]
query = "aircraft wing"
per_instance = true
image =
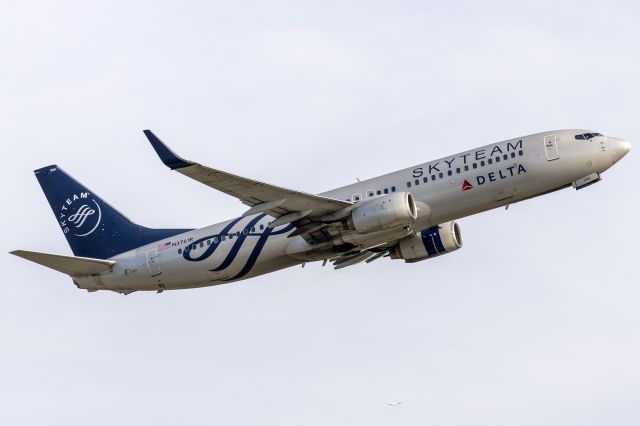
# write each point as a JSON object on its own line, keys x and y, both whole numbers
{"x": 286, "y": 204}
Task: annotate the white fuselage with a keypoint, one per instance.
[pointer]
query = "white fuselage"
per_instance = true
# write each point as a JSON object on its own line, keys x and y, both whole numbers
{"x": 446, "y": 189}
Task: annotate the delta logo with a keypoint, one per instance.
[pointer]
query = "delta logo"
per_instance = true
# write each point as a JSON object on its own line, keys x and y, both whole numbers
{"x": 466, "y": 185}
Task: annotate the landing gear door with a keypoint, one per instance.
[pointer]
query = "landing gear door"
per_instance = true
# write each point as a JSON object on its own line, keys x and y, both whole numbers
{"x": 153, "y": 264}
{"x": 551, "y": 147}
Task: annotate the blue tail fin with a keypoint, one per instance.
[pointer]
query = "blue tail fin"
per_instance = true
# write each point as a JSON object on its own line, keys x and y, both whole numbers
{"x": 92, "y": 227}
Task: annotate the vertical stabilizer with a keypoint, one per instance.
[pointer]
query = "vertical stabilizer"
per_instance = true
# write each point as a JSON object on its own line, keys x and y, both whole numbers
{"x": 92, "y": 227}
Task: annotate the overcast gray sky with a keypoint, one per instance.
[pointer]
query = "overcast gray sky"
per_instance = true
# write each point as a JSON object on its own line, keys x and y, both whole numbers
{"x": 535, "y": 321}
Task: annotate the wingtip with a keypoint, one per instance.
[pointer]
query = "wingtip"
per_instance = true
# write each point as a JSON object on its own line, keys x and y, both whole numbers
{"x": 168, "y": 157}
{"x": 19, "y": 253}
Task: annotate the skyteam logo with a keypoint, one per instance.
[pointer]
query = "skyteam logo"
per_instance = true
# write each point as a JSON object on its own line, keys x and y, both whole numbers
{"x": 80, "y": 215}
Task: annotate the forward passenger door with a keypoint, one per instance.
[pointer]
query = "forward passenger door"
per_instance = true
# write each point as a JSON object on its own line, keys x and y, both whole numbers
{"x": 551, "y": 147}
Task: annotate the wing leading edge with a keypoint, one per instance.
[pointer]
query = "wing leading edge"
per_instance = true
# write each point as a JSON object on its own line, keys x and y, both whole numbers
{"x": 287, "y": 205}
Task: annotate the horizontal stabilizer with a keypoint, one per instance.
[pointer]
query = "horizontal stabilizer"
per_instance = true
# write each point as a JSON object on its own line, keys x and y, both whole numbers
{"x": 70, "y": 265}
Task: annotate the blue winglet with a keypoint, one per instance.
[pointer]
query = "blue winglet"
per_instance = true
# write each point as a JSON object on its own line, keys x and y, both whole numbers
{"x": 168, "y": 157}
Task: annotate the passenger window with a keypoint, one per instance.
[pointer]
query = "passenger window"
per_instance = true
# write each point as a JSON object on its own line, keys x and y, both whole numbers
{"x": 386, "y": 191}
{"x": 466, "y": 168}
{"x": 245, "y": 232}
{"x": 223, "y": 237}
{"x": 433, "y": 177}
{"x": 425, "y": 180}
{"x": 378, "y": 192}
{"x": 490, "y": 161}
{"x": 474, "y": 165}
{"x": 215, "y": 240}
{"x": 408, "y": 184}
{"x": 505, "y": 157}
{"x": 417, "y": 181}
{"x": 231, "y": 236}
{"x": 513, "y": 155}
{"x": 193, "y": 247}
{"x": 458, "y": 170}
{"x": 449, "y": 172}
{"x": 393, "y": 189}
{"x": 482, "y": 163}
{"x": 238, "y": 234}
{"x": 441, "y": 175}
{"x": 261, "y": 227}
{"x": 208, "y": 242}
{"x": 520, "y": 153}
{"x": 356, "y": 197}
{"x": 370, "y": 194}
{"x": 179, "y": 251}
{"x": 497, "y": 159}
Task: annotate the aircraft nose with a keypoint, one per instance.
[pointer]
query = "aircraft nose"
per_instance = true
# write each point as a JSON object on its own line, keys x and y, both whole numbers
{"x": 619, "y": 148}
{"x": 625, "y": 146}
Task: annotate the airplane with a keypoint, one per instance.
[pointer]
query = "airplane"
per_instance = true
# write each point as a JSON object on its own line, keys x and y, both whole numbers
{"x": 407, "y": 215}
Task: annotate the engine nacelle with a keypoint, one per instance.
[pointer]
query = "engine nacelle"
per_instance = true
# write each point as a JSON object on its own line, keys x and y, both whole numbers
{"x": 428, "y": 243}
{"x": 388, "y": 211}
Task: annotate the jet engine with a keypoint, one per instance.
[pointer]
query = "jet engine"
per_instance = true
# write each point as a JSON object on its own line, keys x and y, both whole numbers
{"x": 388, "y": 211}
{"x": 428, "y": 243}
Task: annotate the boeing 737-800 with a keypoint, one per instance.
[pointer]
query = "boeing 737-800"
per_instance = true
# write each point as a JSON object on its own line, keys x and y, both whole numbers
{"x": 409, "y": 214}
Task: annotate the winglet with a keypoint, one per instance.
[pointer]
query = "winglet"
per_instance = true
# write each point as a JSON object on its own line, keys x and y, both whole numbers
{"x": 168, "y": 157}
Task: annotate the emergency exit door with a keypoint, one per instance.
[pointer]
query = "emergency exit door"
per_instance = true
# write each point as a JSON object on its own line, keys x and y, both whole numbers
{"x": 551, "y": 147}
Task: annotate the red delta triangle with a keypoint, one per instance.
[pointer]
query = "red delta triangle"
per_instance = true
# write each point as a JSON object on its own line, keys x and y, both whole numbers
{"x": 466, "y": 185}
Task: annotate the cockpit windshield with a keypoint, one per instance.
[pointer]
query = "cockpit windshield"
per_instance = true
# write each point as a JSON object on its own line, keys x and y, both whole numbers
{"x": 587, "y": 136}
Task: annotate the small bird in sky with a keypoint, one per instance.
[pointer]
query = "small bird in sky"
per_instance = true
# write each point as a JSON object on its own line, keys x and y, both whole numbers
{"x": 394, "y": 403}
